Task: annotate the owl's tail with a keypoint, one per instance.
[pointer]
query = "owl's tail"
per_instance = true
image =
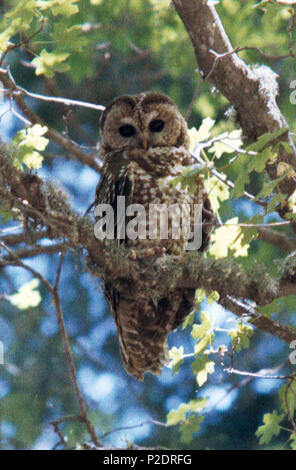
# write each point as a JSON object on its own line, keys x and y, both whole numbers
{"x": 143, "y": 326}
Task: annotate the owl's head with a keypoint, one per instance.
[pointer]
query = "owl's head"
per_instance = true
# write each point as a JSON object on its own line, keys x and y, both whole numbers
{"x": 142, "y": 121}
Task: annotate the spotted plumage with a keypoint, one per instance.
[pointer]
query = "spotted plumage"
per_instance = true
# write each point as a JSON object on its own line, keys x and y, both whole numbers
{"x": 144, "y": 144}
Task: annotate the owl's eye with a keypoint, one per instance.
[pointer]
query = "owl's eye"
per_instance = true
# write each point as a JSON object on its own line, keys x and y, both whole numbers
{"x": 127, "y": 130}
{"x": 156, "y": 125}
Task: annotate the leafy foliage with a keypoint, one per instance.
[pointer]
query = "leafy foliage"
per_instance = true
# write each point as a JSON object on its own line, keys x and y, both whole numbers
{"x": 270, "y": 427}
{"x": 27, "y": 296}
{"x": 29, "y": 142}
{"x": 94, "y": 50}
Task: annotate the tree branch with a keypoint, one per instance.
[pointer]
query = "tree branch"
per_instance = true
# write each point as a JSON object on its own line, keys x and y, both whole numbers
{"x": 53, "y": 290}
{"x": 49, "y": 210}
{"x": 251, "y": 91}
{"x": 87, "y": 159}
{"x": 38, "y": 250}
{"x": 278, "y": 239}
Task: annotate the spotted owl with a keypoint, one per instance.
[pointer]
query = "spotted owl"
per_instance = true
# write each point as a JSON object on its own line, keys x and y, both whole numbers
{"x": 145, "y": 146}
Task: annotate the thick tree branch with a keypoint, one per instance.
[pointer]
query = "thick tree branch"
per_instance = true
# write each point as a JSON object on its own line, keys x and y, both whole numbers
{"x": 251, "y": 91}
{"x": 38, "y": 250}
{"x": 48, "y": 210}
{"x": 28, "y": 238}
{"x": 283, "y": 332}
{"x": 278, "y": 239}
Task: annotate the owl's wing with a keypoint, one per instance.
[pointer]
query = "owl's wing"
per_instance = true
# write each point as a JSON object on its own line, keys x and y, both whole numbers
{"x": 114, "y": 182}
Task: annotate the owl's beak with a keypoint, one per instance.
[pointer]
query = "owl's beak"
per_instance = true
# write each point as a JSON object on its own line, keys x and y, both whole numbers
{"x": 143, "y": 141}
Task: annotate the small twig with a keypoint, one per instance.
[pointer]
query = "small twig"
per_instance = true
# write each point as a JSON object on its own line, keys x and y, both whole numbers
{"x": 217, "y": 58}
{"x": 55, "y": 423}
{"x": 195, "y": 95}
{"x": 261, "y": 52}
{"x": 65, "y": 419}
{"x": 268, "y": 224}
{"x": 135, "y": 48}
{"x": 290, "y": 414}
{"x": 69, "y": 357}
{"x": 25, "y": 41}
{"x": 53, "y": 99}
{"x": 124, "y": 428}
{"x": 290, "y": 32}
{"x": 258, "y": 375}
{"x": 61, "y": 436}
{"x": 18, "y": 262}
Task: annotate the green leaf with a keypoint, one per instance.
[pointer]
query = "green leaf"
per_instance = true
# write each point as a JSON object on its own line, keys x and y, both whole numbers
{"x": 16, "y": 20}
{"x": 203, "y": 343}
{"x": 213, "y": 297}
{"x": 270, "y": 427}
{"x": 287, "y": 394}
{"x": 217, "y": 191}
{"x": 194, "y": 406}
{"x": 264, "y": 139}
{"x": 203, "y": 332}
{"x": 205, "y": 328}
{"x": 249, "y": 233}
{"x": 228, "y": 237}
{"x": 72, "y": 38}
{"x": 269, "y": 187}
{"x": 32, "y": 137}
{"x": 201, "y": 367}
{"x": 239, "y": 185}
{"x": 286, "y": 146}
{"x": 190, "y": 427}
{"x": 275, "y": 201}
{"x": 188, "y": 320}
{"x": 50, "y": 62}
{"x": 24, "y": 411}
{"x": 228, "y": 143}
{"x": 5, "y": 37}
{"x": 28, "y": 141}
{"x": 5, "y": 212}
{"x": 59, "y": 7}
{"x": 202, "y": 134}
{"x": 241, "y": 335}
{"x": 185, "y": 414}
{"x": 258, "y": 162}
{"x": 293, "y": 441}
{"x": 27, "y": 296}
{"x": 200, "y": 295}
{"x": 292, "y": 202}
{"x": 176, "y": 356}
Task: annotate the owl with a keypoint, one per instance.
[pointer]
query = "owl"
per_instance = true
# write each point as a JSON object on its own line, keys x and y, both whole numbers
{"x": 145, "y": 147}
